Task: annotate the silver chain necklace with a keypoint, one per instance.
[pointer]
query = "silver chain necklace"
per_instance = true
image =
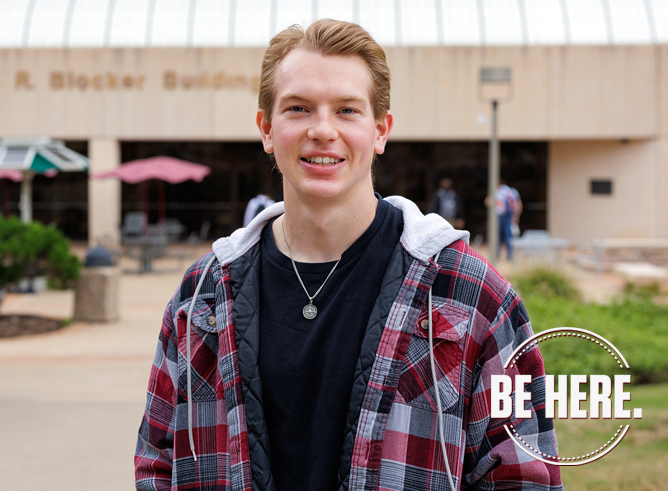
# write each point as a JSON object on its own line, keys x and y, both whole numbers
{"x": 309, "y": 310}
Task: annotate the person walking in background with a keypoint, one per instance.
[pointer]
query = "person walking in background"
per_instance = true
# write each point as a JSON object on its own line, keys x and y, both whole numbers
{"x": 447, "y": 203}
{"x": 508, "y": 209}
{"x": 256, "y": 205}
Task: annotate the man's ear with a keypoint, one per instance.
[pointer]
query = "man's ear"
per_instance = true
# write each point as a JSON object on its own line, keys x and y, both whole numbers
{"x": 383, "y": 128}
{"x": 264, "y": 125}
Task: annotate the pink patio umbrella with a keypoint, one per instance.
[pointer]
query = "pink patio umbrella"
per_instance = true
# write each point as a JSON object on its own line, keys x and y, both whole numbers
{"x": 12, "y": 175}
{"x": 7, "y": 175}
{"x": 162, "y": 168}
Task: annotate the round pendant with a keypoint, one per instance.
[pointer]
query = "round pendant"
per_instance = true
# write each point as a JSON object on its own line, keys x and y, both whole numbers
{"x": 310, "y": 311}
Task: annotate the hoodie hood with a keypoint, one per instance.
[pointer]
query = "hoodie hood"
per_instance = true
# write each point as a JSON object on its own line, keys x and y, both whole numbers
{"x": 423, "y": 236}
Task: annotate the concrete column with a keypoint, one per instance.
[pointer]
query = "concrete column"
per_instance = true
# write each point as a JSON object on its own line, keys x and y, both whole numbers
{"x": 104, "y": 195}
{"x": 662, "y": 186}
{"x": 662, "y": 144}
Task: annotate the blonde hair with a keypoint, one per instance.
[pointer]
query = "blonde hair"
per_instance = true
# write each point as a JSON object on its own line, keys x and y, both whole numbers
{"x": 327, "y": 37}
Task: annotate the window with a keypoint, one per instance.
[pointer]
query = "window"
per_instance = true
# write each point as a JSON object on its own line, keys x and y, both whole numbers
{"x": 600, "y": 186}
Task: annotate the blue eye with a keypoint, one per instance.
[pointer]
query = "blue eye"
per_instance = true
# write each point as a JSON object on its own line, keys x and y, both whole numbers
{"x": 347, "y": 110}
{"x": 297, "y": 109}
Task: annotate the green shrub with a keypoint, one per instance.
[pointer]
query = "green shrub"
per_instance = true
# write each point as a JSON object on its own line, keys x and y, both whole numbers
{"x": 546, "y": 283}
{"x": 642, "y": 292}
{"x": 31, "y": 249}
{"x": 635, "y": 323}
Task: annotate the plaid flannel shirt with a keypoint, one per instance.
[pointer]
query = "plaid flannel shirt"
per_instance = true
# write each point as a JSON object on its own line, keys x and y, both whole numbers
{"x": 478, "y": 320}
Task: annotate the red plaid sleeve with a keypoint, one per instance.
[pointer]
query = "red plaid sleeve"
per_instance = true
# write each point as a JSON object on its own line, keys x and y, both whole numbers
{"x": 492, "y": 460}
{"x": 153, "y": 456}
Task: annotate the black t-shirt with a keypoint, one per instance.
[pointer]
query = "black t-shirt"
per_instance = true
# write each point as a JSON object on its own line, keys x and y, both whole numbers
{"x": 307, "y": 366}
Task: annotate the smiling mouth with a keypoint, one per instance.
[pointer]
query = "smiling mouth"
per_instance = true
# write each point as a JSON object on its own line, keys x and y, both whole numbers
{"x": 322, "y": 160}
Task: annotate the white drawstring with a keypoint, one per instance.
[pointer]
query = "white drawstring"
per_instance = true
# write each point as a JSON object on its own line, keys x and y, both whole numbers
{"x": 188, "y": 368}
{"x": 436, "y": 391}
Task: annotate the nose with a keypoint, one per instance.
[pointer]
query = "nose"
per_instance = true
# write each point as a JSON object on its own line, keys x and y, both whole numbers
{"x": 323, "y": 128}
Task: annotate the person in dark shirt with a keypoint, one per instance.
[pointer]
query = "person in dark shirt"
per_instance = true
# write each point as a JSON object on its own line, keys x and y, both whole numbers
{"x": 447, "y": 203}
{"x": 296, "y": 355}
{"x": 323, "y": 131}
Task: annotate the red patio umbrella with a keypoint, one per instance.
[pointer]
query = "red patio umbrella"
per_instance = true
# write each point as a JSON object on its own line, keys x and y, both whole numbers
{"x": 163, "y": 168}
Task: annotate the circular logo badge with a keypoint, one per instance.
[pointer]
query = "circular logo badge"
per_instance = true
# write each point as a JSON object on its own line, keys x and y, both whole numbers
{"x": 568, "y": 395}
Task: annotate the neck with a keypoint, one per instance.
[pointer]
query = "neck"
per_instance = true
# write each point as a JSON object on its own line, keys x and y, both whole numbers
{"x": 323, "y": 232}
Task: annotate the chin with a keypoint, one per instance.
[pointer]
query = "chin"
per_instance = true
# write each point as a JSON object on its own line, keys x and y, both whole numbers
{"x": 322, "y": 193}
{"x": 321, "y": 190}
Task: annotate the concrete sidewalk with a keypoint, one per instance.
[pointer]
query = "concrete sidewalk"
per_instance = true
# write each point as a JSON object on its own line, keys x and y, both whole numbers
{"x": 71, "y": 401}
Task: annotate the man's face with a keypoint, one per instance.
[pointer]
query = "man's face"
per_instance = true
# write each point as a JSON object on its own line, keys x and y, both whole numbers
{"x": 322, "y": 132}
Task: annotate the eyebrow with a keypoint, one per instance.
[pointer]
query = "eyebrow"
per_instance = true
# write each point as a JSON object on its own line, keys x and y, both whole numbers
{"x": 299, "y": 98}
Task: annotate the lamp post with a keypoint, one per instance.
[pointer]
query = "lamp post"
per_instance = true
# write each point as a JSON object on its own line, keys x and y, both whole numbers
{"x": 499, "y": 80}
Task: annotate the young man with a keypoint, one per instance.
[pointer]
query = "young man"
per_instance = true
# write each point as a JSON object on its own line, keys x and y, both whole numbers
{"x": 296, "y": 355}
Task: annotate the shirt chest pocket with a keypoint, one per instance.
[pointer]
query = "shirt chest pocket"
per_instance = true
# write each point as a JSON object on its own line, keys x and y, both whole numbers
{"x": 416, "y": 386}
{"x": 204, "y": 375}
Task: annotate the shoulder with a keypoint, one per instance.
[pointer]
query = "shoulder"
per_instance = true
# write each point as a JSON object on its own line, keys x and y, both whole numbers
{"x": 206, "y": 266}
{"x": 228, "y": 249}
{"x": 497, "y": 316}
{"x": 424, "y": 236}
{"x": 470, "y": 282}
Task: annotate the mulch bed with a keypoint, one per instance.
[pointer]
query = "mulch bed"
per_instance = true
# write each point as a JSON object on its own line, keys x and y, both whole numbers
{"x": 12, "y": 326}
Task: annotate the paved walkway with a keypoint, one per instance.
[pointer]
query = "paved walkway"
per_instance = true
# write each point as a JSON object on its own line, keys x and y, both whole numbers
{"x": 71, "y": 401}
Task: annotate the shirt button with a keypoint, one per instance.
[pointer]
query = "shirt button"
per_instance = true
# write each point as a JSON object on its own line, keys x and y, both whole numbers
{"x": 424, "y": 324}
{"x": 211, "y": 320}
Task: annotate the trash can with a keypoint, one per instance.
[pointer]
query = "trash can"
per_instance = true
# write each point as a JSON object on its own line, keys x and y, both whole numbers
{"x": 97, "y": 290}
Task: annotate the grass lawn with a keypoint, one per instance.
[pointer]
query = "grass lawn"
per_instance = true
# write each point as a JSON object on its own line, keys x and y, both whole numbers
{"x": 639, "y": 462}
{"x": 637, "y": 324}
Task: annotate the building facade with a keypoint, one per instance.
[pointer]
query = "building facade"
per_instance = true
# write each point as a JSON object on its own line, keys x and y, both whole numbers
{"x": 584, "y": 125}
